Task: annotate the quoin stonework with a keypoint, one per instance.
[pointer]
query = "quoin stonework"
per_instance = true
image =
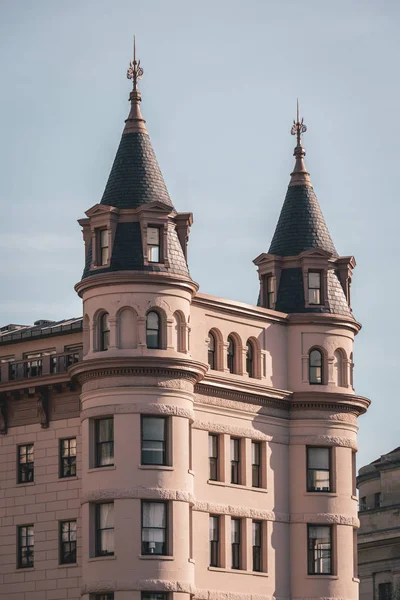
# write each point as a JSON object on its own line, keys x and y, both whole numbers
{"x": 170, "y": 444}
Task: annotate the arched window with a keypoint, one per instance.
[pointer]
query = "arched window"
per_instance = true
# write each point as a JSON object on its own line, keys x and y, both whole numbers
{"x": 153, "y": 338}
{"x": 231, "y": 354}
{"x": 315, "y": 366}
{"x": 104, "y": 328}
{"x": 250, "y": 359}
{"x": 212, "y": 345}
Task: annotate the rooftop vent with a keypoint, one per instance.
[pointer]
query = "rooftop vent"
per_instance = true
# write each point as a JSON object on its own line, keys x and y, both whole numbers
{"x": 41, "y": 322}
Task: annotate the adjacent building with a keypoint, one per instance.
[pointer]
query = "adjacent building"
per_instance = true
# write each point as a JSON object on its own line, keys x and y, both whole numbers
{"x": 379, "y": 533}
{"x": 170, "y": 444}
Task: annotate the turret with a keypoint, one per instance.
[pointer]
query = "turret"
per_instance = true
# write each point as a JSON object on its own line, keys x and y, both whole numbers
{"x": 137, "y": 376}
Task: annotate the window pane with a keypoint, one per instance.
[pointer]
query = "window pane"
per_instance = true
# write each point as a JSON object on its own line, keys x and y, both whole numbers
{"x": 213, "y": 446}
{"x": 153, "y": 254}
{"x": 318, "y": 458}
{"x": 152, "y": 320}
{"x": 106, "y": 515}
{"x": 214, "y": 522}
{"x": 256, "y": 533}
{"x": 153, "y": 428}
{"x": 234, "y": 449}
{"x": 255, "y": 453}
{"x": 235, "y": 531}
{"x": 104, "y": 238}
{"x": 314, "y": 280}
{"x": 153, "y": 236}
{"x": 154, "y": 514}
{"x": 314, "y": 297}
{"x": 315, "y": 358}
{"x": 105, "y": 430}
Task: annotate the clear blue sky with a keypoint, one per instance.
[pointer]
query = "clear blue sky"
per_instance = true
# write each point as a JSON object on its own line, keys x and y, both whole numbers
{"x": 219, "y": 95}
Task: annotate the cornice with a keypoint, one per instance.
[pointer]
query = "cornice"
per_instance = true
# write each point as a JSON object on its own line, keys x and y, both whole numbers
{"x": 222, "y": 387}
{"x": 96, "y": 368}
{"x": 330, "y": 401}
{"x": 324, "y": 319}
{"x": 238, "y": 309}
{"x": 126, "y": 277}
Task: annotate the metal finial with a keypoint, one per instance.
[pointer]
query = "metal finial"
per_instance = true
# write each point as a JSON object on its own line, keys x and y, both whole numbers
{"x": 298, "y": 126}
{"x": 135, "y": 71}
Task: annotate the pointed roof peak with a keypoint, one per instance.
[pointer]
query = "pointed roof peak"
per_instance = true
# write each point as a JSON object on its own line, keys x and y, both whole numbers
{"x": 300, "y": 175}
{"x": 135, "y": 122}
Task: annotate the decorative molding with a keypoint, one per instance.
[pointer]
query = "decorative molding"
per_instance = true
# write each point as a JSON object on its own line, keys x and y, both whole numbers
{"x": 249, "y": 405}
{"x": 266, "y": 397}
{"x": 324, "y": 440}
{"x": 239, "y": 431}
{"x": 240, "y": 511}
{"x": 142, "y": 493}
{"x": 326, "y": 518}
{"x": 128, "y": 409}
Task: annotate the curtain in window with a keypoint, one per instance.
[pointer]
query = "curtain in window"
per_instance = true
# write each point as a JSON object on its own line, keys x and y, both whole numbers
{"x": 106, "y": 525}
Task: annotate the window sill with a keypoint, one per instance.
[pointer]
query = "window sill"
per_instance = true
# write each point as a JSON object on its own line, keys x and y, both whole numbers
{"x": 26, "y": 484}
{"x": 238, "y": 571}
{"x": 329, "y": 494}
{"x": 100, "y": 558}
{"x": 68, "y": 565}
{"x": 237, "y": 486}
{"x": 355, "y": 579}
{"x": 71, "y": 478}
{"x": 322, "y": 576}
{"x": 155, "y": 467}
{"x": 105, "y": 468}
{"x": 155, "y": 557}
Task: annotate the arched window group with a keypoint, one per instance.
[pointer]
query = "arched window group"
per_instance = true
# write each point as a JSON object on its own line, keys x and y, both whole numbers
{"x": 153, "y": 333}
{"x": 318, "y": 369}
{"x": 234, "y": 352}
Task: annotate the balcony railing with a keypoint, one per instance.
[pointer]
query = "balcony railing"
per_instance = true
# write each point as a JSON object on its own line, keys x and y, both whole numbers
{"x": 36, "y": 367}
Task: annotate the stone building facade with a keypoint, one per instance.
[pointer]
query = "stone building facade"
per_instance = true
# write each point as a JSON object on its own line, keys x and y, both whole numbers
{"x": 171, "y": 444}
{"x": 379, "y": 533}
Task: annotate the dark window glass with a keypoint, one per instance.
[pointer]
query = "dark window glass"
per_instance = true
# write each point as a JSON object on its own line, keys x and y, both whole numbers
{"x": 154, "y": 596}
{"x": 235, "y": 543}
{"x": 153, "y": 330}
{"x": 213, "y": 456}
{"x": 235, "y": 460}
{"x": 103, "y": 247}
{"x": 318, "y": 469}
{"x": 154, "y": 528}
{"x": 153, "y": 244}
{"x": 154, "y": 441}
{"x": 25, "y": 463}
{"x": 105, "y": 529}
{"x": 211, "y": 350}
{"x": 256, "y": 464}
{"x": 26, "y": 542}
{"x": 377, "y": 500}
{"x": 315, "y": 366}
{"x": 67, "y": 542}
{"x": 214, "y": 541}
{"x": 104, "y": 596}
{"x": 231, "y": 355}
{"x": 257, "y": 545}
{"x": 250, "y": 359}
{"x": 270, "y": 291}
{"x": 104, "y": 331}
{"x": 363, "y": 503}
{"x": 319, "y": 550}
{"x": 68, "y": 457}
{"x": 104, "y": 442}
{"x": 314, "y": 287}
{"x": 385, "y": 591}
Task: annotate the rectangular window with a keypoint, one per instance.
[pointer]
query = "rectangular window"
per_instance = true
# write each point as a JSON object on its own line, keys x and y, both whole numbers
{"x": 319, "y": 550}
{"x": 377, "y": 500}
{"x": 154, "y": 528}
{"x": 270, "y": 291}
{"x": 235, "y": 543}
{"x": 104, "y": 596}
{"x": 105, "y": 529}
{"x": 104, "y": 442}
{"x": 257, "y": 545}
{"x": 68, "y": 457}
{"x": 153, "y": 244}
{"x": 314, "y": 287}
{"x": 25, "y": 463}
{"x": 103, "y": 247}
{"x": 214, "y": 541}
{"x": 26, "y": 543}
{"x": 235, "y": 460}
{"x": 256, "y": 464}
{"x": 153, "y": 596}
{"x": 385, "y": 591}
{"x": 318, "y": 469}
{"x": 363, "y": 503}
{"x": 34, "y": 364}
{"x": 154, "y": 440}
{"x": 213, "y": 456}
{"x": 67, "y": 542}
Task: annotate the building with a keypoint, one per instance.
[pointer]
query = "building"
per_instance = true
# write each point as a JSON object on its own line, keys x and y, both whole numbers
{"x": 379, "y": 533}
{"x": 173, "y": 445}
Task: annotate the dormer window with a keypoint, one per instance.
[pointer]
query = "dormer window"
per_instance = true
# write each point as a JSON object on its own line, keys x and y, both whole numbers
{"x": 102, "y": 238}
{"x": 314, "y": 287}
{"x": 153, "y": 245}
{"x": 270, "y": 291}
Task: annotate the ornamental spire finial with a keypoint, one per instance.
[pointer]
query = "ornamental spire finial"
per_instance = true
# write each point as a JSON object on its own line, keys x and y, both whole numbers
{"x": 135, "y": 122}
{"x": 299, "y": 175}
{"x": 135, "y": 71}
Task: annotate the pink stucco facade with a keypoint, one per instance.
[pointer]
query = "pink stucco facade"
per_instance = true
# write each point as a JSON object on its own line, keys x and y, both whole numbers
{"x": 265, "y": 405}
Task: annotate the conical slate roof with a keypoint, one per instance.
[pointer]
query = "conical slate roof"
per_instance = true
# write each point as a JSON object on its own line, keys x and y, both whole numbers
{"x": 301, "y": 225}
